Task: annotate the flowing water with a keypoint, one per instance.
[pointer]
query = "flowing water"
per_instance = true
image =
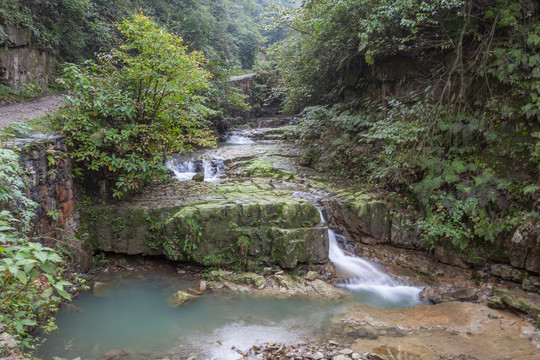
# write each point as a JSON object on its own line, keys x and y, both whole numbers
{"x": 135, "y": 315}
{"x": 238, "y": 138}
{"x": 213, "y": 168}
{"x": 364, "y": 278}
{"x": 367, "y": 281}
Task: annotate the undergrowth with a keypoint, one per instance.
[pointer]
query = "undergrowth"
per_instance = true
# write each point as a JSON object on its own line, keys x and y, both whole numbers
{"x": 24, "y": 93}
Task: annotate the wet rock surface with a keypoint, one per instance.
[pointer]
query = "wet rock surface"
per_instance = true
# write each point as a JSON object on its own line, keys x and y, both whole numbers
{"x": 453, "y": 330}
{"x": 306, "y": 351}
{"x": 276, "y": 283}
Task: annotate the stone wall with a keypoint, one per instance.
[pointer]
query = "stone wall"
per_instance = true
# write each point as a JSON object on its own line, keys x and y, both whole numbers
{"x": 372, "y": 222}
{"x": 21, "y": 64}
{"x": 50, "y": 183}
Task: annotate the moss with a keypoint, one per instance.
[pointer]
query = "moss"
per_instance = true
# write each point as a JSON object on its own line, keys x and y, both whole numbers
{"x": 179, "y": 298}
{"x": 517, "y": 302}
{"x": 234, "y": 225}
{"x": 250, "y": 279}
{"x": 261, "y": 168}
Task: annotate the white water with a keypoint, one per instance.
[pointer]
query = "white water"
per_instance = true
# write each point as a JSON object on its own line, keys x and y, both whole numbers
{"x": 239, "y": 138}
{"x": 183, "y": 171}
{"x": 364, "y": 278}
{"x": 187, "y": 169}
{"x": 213, "y": 169}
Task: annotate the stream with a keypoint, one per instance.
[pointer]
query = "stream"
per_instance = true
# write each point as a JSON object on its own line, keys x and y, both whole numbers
{"x": 132, "y": 315}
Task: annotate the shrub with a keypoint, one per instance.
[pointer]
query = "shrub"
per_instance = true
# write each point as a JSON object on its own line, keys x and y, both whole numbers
{"x": 31, "y": 283}
{"x": 139, "y": 104}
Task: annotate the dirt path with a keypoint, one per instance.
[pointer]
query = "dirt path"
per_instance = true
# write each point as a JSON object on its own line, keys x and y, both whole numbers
{"x": 28, "y": 110}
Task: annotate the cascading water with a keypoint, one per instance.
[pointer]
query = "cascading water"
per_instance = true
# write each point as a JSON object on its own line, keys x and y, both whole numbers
{"x": 240, "y": 137}
{"x": 363, "y": 277}
{"x": 183, "y": 170}
{"x": 366, "y": 279}
{"x": 186, "y": 169}
{"x": 213, "y": 169}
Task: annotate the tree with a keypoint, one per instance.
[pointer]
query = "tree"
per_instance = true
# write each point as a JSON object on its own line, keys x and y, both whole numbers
{"x": 139, "y": 104}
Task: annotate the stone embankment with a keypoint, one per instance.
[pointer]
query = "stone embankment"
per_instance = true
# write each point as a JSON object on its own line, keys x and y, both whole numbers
{"x": 49, "y": 172}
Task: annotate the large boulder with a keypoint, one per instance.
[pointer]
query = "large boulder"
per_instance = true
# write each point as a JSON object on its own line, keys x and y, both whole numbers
{"x": 232, "y": 224}
{"x": 365, "y": 219}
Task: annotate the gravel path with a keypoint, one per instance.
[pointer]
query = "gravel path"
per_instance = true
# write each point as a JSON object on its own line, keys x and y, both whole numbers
{"x": 28, "y": 110}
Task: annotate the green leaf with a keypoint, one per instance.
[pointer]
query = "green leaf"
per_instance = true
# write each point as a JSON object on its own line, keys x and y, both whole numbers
{"x": 21, "y": 276}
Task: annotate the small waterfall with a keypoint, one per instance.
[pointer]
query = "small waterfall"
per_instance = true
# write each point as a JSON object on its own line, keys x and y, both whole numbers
{"x": 213, "y": 169}
{"x": 183, "y": 170}
{"x": 239, "y": 137}
{"x": 186, "y": 169}
{"x": 364, "y": 278}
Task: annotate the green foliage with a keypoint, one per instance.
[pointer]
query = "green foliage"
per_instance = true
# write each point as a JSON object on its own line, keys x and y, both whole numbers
{"x": 24, "y": 93}
{"x": 461, "y": 146}
{"x": 229, "y": 32}
{"x": 51, "y": 24}
{"x": 463, "y": 180}
{"x": 330, "y": 37}
{"x": 192, "y": 236}
{"x": 141, "y": 103}
{"x": 31, "y": 283}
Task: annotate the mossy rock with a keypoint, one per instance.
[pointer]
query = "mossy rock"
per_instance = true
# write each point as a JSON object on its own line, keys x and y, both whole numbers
{"x": 127, "y": 230}
{"x": 199, "y": 177}
{"x": 285, "y": 280}
{"x": 515, "y": 301}
{"x": 232, "y": 225}
{"x": 261, "y": 168}
{"x": 179, "y": 298}
{"x": 250, "y": 279}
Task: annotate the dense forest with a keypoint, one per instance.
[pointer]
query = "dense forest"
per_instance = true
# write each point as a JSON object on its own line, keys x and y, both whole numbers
{"x": 431, "y": 105}
{"x": 228, "y": 32}
{"x": 436, "y": 102}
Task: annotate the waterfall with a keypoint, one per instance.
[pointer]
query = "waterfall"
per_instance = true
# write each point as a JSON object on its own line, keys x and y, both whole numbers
{"x": 364, "y": 278}
{"x": 185, "y": 170}
{"x": 213, "y": 169}
{"x": 239, "y": 138}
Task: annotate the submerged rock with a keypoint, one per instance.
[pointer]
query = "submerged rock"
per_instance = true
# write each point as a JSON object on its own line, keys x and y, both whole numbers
{"x": 102, "y": 289}
{"x": 179, "y": 298}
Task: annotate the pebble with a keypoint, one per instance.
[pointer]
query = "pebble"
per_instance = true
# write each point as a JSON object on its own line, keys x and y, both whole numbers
{"x": 341, "y": 357}
{"x": 304, "y": 351}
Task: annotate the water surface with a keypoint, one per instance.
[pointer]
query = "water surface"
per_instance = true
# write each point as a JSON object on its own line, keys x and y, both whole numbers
{"x": 136, "y": 315}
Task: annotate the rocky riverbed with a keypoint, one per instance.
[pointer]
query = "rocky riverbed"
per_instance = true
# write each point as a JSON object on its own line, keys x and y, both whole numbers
{"x": 263, "y": 177}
